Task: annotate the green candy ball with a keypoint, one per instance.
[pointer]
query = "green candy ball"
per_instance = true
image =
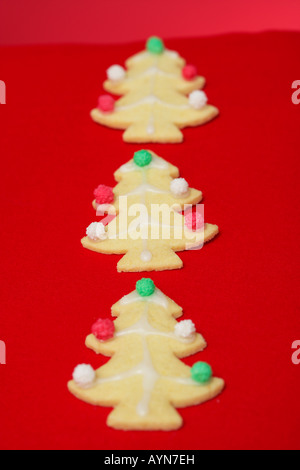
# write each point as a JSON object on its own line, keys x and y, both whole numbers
{"x": 201, "y": 372}
{"x": 142, "y": 158}
{"x": 145, "y": 287}
{"x": 155, "y": 45}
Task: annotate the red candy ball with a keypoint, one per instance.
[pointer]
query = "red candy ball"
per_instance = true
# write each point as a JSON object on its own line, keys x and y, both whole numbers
{"x": 103, "y": 329}
{"x": 106, "y": 103}
{"x": 194, "y": 221}
{"x": 189, "y": 72}
{"x": 103, "y": 194}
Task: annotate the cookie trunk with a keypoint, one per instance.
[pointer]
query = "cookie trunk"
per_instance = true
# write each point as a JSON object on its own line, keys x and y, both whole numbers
{"x": 164, "y": 418}
{"x": 153, "y": 259}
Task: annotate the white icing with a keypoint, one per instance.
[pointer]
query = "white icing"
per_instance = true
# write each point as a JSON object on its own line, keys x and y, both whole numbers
{"x": 140, "y": 56}
{"x": 153, "y": 70}
{"x": 151, "y": 100}
{"x": 145, "y": 187}
{"x": 121, "y": 376}
{"x": 172, "y": 54}
{"x": 146, "y": 367}
{"x": 157, "y": 298}
{"x": 184, "y": 381}
{"x": 84, "y": 375}
{"x": 197, "y": 99}
{"x": 145, "y": 55}
{"x": 151, "y": 127}
{"x": 116, "y": 73}
{"x": 96, "y": 231}
{"x": 142, "y": 223}
{"x": 150, "y": 377}
{"x": 146, "y": 256}
{"x": 142, "y": 189}
{"x": 143, "y": 327}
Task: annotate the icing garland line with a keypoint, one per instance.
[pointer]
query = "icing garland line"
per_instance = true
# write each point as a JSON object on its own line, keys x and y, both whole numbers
{"x": 152, "y": 100}
{"x": 154, "y": 69}
{"x": 143, "y": 327}
{"x": 156, "y": 162}
{"x": 151, "y": 121}
{"x": 158, "y": 297}
{"x": 147, "y": 370}
{"x": 145, "y": 54}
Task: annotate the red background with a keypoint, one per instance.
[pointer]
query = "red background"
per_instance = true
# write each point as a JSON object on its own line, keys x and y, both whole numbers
{"x": 117, "y": 21}
{"x": 241, "y": 289}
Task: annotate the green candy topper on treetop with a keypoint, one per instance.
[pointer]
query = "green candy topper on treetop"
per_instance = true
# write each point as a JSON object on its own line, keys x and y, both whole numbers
{"x": 142, "y": 158}
{"x": 145, "y": 287}
{"x": 155, "y": 45}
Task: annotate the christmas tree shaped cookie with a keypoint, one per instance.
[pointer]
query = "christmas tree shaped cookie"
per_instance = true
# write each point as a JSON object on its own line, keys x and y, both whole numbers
{"x": 144, "y": 381}
{"x": 161, "y": 96}
{"x": 148, "y": 227}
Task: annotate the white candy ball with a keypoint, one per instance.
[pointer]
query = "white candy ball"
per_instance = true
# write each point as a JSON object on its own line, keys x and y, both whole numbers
{"x": 198, "y": 99}
{"x": 116, "y": 73}
{"x": 179, "y": 187}
{"x": 84, "y": 375}
{"x": 185, "y": 329}
{"x": 96, "y": 231}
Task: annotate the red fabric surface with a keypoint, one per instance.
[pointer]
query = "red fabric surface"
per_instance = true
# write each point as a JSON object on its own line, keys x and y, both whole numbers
{"x": 241, "y": 290}
{"x": 98, "y": 22}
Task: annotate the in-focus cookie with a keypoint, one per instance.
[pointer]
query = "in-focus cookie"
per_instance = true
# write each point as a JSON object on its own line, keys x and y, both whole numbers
{"x": 162, "y": 94}
{"x": 149, "y": 227}
{"x": 145, "y": 380}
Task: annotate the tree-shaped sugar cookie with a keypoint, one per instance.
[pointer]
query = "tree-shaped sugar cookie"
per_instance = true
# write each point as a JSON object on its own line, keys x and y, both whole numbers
{"x": 149, "y": 227}
{"x": 145, "y": 380}
{"x": 161, "y": 96}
